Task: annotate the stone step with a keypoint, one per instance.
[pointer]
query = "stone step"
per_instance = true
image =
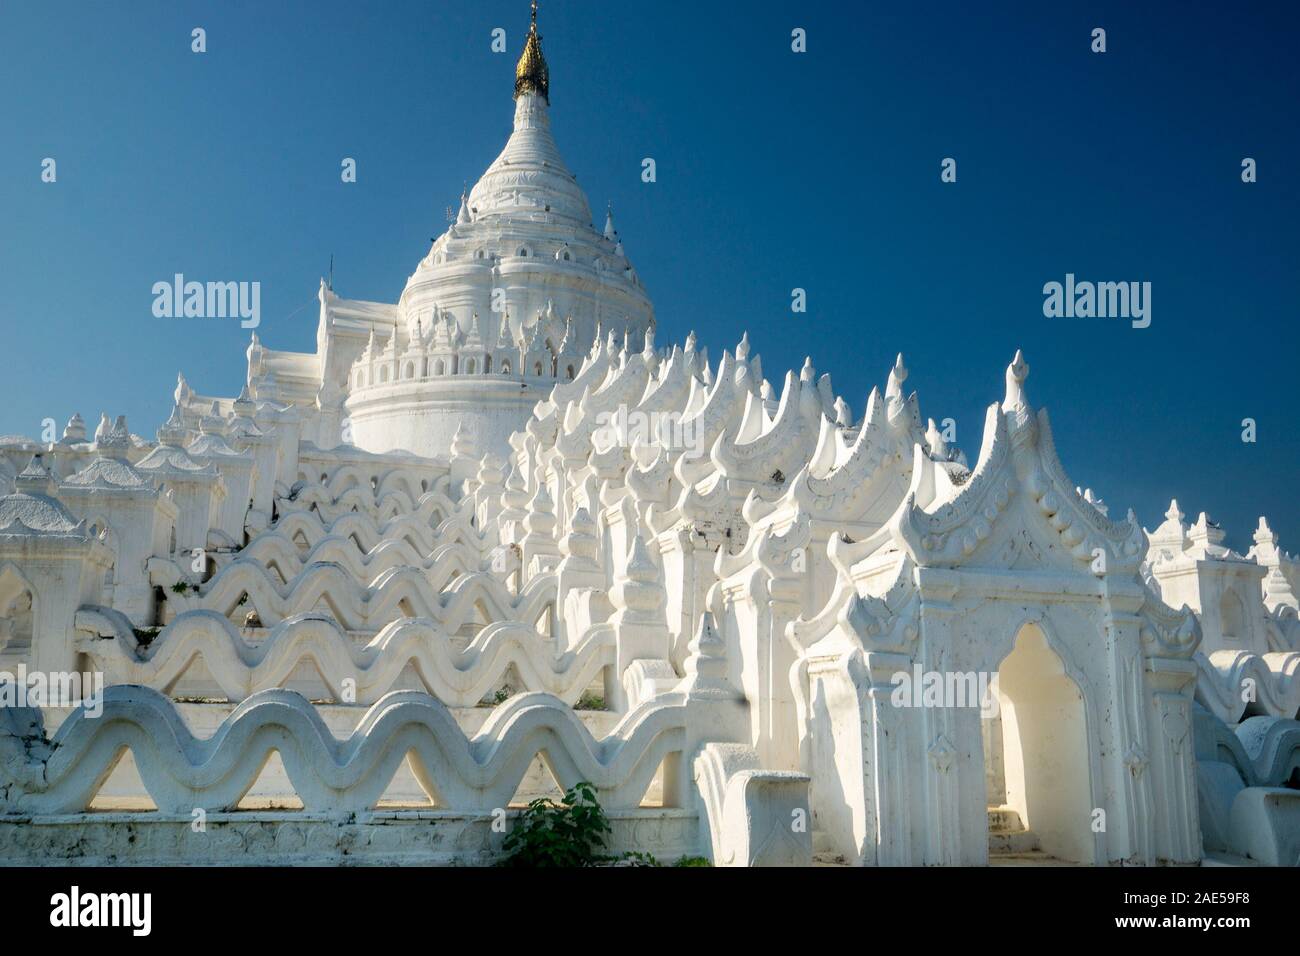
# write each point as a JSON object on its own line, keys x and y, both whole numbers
{"x": 1032, "y": 858}
{"x": 1004, "y": 819}
{"x": 1007, "y": 833}
{"x": 1013, "y": 842}
{"x": 1010, "y": 844}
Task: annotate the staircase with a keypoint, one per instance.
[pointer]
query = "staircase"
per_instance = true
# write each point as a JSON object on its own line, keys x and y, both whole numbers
{"x": 1010, "y": 844}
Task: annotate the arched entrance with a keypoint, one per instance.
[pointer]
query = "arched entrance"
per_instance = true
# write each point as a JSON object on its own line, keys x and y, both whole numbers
{"x": 1042, "y": 769}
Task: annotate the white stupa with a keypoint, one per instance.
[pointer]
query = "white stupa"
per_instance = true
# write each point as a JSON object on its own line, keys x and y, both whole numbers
{"x": 505, "y": 303}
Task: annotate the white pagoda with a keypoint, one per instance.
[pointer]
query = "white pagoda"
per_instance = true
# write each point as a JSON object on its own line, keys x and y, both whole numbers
{"x": 490, "y": 319}
{"x": 493, "y": 541}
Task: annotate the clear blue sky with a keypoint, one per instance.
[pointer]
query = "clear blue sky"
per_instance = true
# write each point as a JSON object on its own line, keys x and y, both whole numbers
{"x": 775, "y": 171}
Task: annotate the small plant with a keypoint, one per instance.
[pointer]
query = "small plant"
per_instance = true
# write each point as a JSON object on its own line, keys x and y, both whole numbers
{"x": 180, "y": 587}
{"x": 693, "y": 861}
{"x": 502, "y": 695}
{"x": 568, "y": 834}
{"x": 590, "y": 702}
{"x": 144, "y": 635}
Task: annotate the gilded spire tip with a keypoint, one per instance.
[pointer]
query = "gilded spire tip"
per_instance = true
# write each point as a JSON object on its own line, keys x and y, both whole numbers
{"x": 531, "y": 73}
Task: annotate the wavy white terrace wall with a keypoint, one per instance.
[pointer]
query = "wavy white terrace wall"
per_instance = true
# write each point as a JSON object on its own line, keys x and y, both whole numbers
{"x": 202, "y": 656}
{"x": 477, "y": 773}
{"x": 123, "y": 790}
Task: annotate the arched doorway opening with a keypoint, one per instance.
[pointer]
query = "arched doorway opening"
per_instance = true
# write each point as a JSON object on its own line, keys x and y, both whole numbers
{"x": 1037, "y": 759}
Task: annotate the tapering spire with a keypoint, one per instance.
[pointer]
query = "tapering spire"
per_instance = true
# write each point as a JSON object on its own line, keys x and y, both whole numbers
{"x": 897, "y": 376}
{"x": 531, "y": 74}
{"x": 1017, "y": 372}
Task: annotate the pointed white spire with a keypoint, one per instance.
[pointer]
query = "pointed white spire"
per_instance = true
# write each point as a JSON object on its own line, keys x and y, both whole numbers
{"x": 75, "y": 430}
{"x": 505, "y": 340}
{"x": 934, "y": 439}
{"x": 640, "y": 567}
{"x": 1264, "y": 534}
{"x": 36, "y": 478}
{"x": 826, "y": 392}
{"x": 173, "y": 430}
{"x": 706, "y": 663}
{"x": 1017, "y": 372}
{"x": 475, "y": 336}
{"x": 897, "y": 376}
{"x": 610, "y": 232}
{"x": 843, "y": 414}
{"x": 463, "y": 444}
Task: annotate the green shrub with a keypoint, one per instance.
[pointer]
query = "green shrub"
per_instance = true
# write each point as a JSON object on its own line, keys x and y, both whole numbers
{"x": 568, "y": 834}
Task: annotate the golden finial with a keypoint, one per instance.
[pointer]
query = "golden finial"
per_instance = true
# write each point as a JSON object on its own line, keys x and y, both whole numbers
{"x": 531, "y": 74}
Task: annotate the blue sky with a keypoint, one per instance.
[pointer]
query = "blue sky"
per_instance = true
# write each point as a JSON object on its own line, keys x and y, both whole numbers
{"x": 776, "y": 170}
